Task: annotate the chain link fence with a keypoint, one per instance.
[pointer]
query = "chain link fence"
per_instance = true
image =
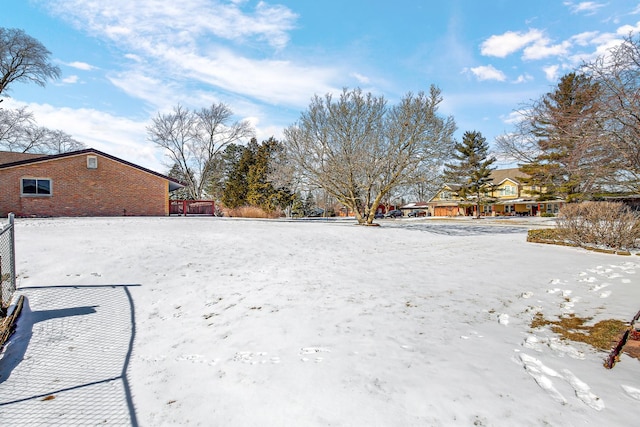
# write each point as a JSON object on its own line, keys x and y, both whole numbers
{"x": 7, "y": 263}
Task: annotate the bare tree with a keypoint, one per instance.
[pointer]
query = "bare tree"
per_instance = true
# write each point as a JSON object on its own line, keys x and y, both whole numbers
{"x": 618, "y": 73}
{"x": 23, "y": 58}
{"x": 12, "y": 129}
{"x": 57, "y": 141}
{"x": 20, "y": 133}
{"x": 192, "y": 140}
{"x": 359, "y": 150}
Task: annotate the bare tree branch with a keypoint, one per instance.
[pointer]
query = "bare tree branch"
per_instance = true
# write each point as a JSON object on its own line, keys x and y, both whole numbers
{"x": 193, "y": 139}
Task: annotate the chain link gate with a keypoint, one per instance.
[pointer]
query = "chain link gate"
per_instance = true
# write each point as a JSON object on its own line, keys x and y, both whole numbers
{"x": 7, "y": 263}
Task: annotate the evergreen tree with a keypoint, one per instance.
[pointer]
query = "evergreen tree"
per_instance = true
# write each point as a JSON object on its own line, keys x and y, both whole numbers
{"x": 236, "y": 186}
{"x": 309, "y": 203}
{"x": 297, "y": 205}
{"x": 248, "y": 181}
{"x": 181, "y": 193}
{"x": 471, "y": 173}
{"x": 260, "y": 191}
{"x": 571, "y": 159}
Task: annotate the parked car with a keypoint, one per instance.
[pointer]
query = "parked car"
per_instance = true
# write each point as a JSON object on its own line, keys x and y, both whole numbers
{"x": 417, "y": 213}
{"x": 317, "y": 212}
{"x": 393, "y": 213}
{"x": 378, "y": 215}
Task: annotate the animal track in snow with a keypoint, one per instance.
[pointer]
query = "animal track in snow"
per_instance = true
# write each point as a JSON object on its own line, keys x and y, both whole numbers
{"x": 256, "y": 358}
{"x": 196, "y": 358}
{"x": 313, "y": 350}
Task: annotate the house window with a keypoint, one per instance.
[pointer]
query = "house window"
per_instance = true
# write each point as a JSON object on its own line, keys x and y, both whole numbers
{"x": 92, "y": 162}
{"x": 508, "y": 190}
{"x": 35, "y": 187}
{"x": 553, "y": 208}
{"x": 509, "y": 209}
{"x": 445, "y": 195}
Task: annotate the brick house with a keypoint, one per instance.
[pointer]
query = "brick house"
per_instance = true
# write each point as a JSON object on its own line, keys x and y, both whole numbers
{"x": 80, "y": 183}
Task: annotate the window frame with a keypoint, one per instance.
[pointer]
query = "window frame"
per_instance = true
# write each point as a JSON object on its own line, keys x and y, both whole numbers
{"x": 37, "y": 187}
{"x": 92, "y": 162}
{"x": 508, "y": 190}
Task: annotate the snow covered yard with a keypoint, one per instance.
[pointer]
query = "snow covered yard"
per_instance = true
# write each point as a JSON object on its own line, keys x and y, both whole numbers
{"x": 257, "y": 322}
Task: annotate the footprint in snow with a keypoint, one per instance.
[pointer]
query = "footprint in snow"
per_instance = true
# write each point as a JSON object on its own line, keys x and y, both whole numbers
{"x": 542, "y": 375}
{"x": 307, "y": 351}
{"x": 255, "y": 358}
{"x": 503, "y": 319}
{"x": 583, "y": 391}
{"x": 596, "y": 288}
{"x": 632, "y": 392}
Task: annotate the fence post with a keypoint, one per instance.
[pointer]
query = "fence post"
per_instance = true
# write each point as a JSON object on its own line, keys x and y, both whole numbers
{"x": 13, "y": 250}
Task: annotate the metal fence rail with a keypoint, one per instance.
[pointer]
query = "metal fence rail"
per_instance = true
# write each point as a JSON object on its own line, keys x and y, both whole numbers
{"x": 192, "y": 207}
{"x": 7, "y": 263}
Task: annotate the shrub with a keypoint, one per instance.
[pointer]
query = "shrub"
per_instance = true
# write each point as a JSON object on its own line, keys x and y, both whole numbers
{"x": 543, "y": 235}
{"x": 250, "y": 212}
{"x": 601, "y": 224}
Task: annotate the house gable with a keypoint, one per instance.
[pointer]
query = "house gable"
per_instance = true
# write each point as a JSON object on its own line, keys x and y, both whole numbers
{"x": 508, "y": 188}
{"x": 447, "y": 193}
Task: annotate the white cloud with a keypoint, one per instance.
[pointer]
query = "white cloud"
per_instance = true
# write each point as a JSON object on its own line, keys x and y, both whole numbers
{"x": 70, "y": 79}
{"x": 115, "y": 135}
{"x": 523, "y": 78}
{"x": 585, "y": 38}
{"x": 625, "y": 30}
{"x": 170, "y": 43}
{"x": 586, "y": 7}
{"x": 488, "y": 72}
{"x": 80, "y": 65}
{"x": 541, "y": 49}
{"x": 509, "y": 42}
{"x": 361, "y": 78}
{"x": 127, "y": 21}
{"x": 551, "y": 72}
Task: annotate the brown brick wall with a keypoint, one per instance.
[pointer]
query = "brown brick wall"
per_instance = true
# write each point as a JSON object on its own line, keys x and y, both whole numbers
{"x": 113, "y": 189}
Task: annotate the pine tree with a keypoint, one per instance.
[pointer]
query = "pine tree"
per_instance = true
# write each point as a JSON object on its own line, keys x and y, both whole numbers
{"x": 471, "y": 174}
{"x": 571, "y": 158}
{"x": 309, "y": 202}
{"x": 248, "y": 182}
{"x": 260, "y": 190}
{"x": 236, "y": 186}
{"x": 182, "y": 193}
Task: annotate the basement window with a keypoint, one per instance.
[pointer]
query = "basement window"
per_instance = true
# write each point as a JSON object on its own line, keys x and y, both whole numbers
{"x": 35, "y": 187}
{"x": 92, "y": 162}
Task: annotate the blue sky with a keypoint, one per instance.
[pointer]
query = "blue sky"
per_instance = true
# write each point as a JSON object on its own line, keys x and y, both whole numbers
{"x": 123, "y": 61}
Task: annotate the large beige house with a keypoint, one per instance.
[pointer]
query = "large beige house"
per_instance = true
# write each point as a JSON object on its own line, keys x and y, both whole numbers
{"x": 508, "y": 196}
